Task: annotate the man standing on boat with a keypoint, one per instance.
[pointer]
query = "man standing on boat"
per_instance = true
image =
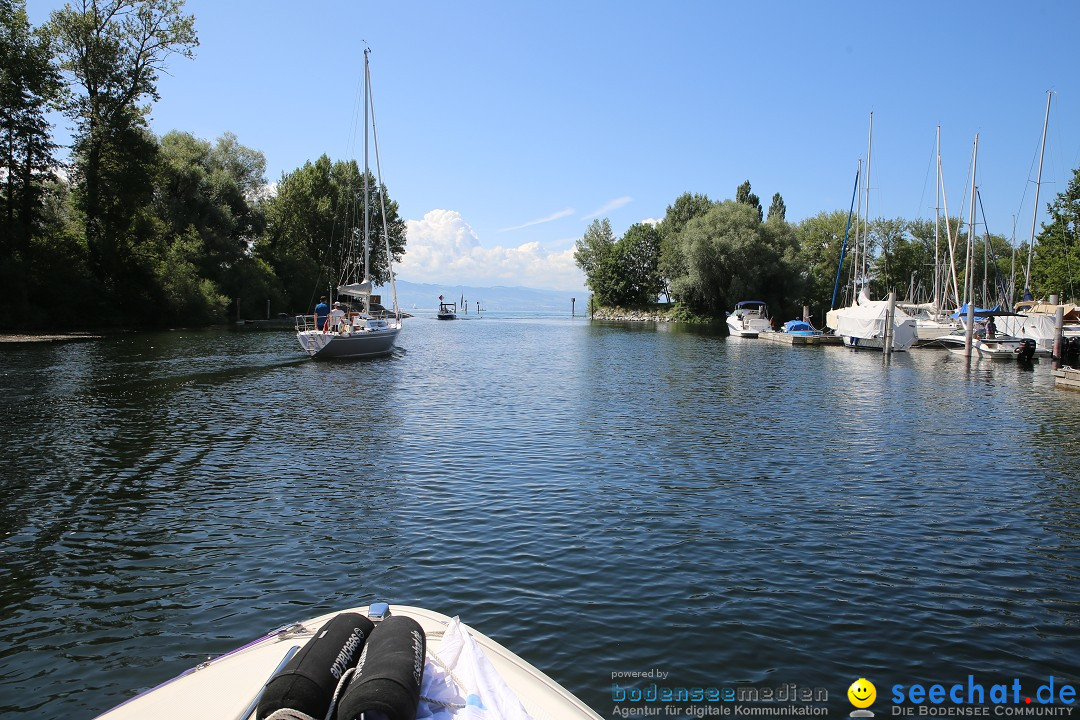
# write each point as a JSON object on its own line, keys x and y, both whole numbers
{"x": 321, "y": 312}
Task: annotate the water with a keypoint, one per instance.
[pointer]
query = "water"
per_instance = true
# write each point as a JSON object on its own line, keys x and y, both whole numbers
{"x": 599, "y": 498}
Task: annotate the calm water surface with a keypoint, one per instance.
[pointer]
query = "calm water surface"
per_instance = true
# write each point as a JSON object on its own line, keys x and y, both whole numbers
{"x": 599, "y": 498}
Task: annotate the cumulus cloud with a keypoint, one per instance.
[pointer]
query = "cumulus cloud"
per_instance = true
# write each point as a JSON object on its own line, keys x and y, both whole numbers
{"x": 442, "y": 248}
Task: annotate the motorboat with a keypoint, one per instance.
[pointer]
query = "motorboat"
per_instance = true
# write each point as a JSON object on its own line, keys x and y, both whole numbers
{"x": 398, "y": 660}
{"x": 749, "y": 319}
{"x": 999, "y": 347}
{"x": 447, "y": 311}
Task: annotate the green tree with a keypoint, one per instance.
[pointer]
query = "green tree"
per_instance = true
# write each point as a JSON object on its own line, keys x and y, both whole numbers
{"x": 1056, "y": 266}
{"x": 28, "y": 84}
{"x": 730, "y": 255}
{"x": 745, "y": 197}
{"x": 820, "y": 239}
{"x": 114, "y": 50}
{"x": 685, "y": 208}
{"x": 777, "y": 209}
{"x": 314, "y": 236}
{"x": 594, "y": 253}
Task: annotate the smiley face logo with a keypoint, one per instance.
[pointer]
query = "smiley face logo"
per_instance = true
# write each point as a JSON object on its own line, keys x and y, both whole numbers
{"x": 862, "y": 693}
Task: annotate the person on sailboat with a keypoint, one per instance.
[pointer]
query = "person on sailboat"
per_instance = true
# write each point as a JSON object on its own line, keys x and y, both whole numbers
{"x": 991, "y": 328}
{"x": 322, "y": 310}
{"x": 337, "y": 316}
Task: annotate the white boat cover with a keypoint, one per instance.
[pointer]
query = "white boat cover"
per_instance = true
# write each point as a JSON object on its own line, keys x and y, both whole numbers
{"x": 867, "y": 320}
{"x": 463, "y": 684}
{"x": 356, "y": 290}
{"x": 1039, "y": 328}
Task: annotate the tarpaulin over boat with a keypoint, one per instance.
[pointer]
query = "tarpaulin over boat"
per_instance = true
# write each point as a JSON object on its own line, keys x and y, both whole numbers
{"x": 798, "y": 326}
{"x": 867, "y": 320}
{"x": 980, "y": 312}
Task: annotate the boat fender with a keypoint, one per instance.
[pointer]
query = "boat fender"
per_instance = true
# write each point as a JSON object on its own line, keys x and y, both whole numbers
{"x": 307, "y": 683}
{"x": 388, "y": 675}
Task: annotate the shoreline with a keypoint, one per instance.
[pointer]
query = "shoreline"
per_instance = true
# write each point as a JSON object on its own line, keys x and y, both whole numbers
{"x": 48, "y": 337}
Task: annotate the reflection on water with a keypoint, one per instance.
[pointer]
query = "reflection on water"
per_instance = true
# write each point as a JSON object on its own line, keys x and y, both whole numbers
{"x": 597, "y": 497}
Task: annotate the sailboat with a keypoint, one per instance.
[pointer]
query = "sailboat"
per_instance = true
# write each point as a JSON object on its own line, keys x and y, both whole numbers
{"x": 367, "y": 332}
{"x": 869, "y": 323}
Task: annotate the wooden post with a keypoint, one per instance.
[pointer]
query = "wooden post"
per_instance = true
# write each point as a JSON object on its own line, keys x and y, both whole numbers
{"x": 572, "y": 301}
{"x": 267, "y": 308}
{"x": 806, "y": 313}
{"x": 1059, "y": 328}
{"x": 889, "y": 327}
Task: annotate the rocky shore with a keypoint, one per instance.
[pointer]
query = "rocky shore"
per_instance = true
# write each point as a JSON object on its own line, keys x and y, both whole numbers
{"x": 622, "y": 314}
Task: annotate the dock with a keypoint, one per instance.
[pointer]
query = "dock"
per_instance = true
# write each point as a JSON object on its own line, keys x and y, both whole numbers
{"x": 793, "y": 339}
{"x": 1068, "y": 378}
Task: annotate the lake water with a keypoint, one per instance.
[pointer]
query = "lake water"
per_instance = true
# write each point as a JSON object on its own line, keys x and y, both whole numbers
{"x": 600, "y": 498}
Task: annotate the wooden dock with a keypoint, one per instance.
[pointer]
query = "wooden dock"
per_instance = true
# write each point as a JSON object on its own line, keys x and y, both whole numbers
{"x": 1067, "y": 377}
{"x": 792, "y": 339}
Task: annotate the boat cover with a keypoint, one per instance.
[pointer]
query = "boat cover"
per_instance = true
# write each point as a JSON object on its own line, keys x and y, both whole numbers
{"x": 463, "y": 683}
{"x": 980, "y": 313}
{"x": 798, "y": 326}
{"x": 867, "y": 320}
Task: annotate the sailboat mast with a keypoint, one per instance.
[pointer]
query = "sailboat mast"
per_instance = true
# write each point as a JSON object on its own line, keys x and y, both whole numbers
{"x": 969, "y": 274}
{"x": 866, "y": 225}
{"x": 1038, "y": 182}
{"x": 937, "y": 231}
{"x": 367, "y": 219}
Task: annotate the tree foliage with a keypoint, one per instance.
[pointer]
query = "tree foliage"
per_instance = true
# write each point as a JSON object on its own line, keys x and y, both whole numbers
{"x": 743, "y": 196}
{"x": 113, "y": 50}
{"x": 314, "y": 237}
{"x": 730, "y": 255}
{"x": 1056, "y": 267}
{"x": 777, "y": 208}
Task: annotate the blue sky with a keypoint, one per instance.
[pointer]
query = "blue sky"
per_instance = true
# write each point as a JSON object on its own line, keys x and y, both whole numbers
{"x": 505, "y": 128}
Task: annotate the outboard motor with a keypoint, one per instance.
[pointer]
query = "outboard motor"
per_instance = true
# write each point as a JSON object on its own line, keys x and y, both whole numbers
{"x": 1026, "y": 351}
{"x": 1071, "y": 349}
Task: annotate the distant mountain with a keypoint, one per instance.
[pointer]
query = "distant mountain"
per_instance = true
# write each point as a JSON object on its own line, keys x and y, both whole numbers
{"x": 425, "y": 295}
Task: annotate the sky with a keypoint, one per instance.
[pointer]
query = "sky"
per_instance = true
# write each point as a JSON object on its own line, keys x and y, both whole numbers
{"x": 505, "y": 128}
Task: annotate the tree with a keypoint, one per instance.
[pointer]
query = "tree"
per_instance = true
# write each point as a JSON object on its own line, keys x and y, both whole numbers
{"x": 114, "y": 50}
{"x": 594, "y": 253}
{"x": 730, "y": 255}
{"x": 314, "y": 234}
{"x": 820, "y": 240}
{"x": 777, "y": 209}
{"x": 685, "y": 208}
{"x": 745, "y": 197}
{"x": 28, "y": 84}
{"x": 1056, "y": 267}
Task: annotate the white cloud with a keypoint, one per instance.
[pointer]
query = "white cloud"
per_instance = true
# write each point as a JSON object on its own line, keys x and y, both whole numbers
{"x": 442, "y": 248}
{"x": 609, "y": 206}
{"x": 549, "y": 218}
{"x": 651, "y": 221}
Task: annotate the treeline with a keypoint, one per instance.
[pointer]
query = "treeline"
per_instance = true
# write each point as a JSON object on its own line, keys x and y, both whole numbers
{"x": 709, "y": 255}
{"x": 137, "y": 230}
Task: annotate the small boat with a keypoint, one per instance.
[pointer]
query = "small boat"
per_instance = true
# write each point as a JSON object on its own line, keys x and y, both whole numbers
{"x": 447, "y": 311}
{"x": 801, "y": 328}
{"x": 384, "y": 659}
{"x": 999, "y": 347}
{"x": 749, "y": 319}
